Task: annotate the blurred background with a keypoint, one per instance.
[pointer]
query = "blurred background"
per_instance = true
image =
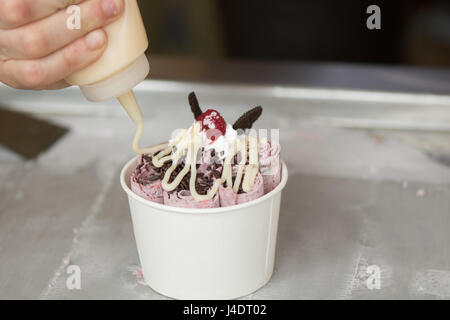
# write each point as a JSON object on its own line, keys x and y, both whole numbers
{"x": 413, "y": 32}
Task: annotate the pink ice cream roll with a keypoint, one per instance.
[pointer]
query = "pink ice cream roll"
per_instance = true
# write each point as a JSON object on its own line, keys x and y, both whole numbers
{"x": 183, "y": 199}
{"x": 229, "y": 198}
{"x": 269, "y": 164}
{"x": 145, "y": 182}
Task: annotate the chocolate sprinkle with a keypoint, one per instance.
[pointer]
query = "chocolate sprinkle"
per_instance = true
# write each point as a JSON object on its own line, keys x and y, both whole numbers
{"x": 203, "y": 184}
{"x": 247, "y": 119}
{"x": 240, "y": 191}
{"x": 195, "y": 106}
{"x": 217, "y": 174}
{"x": 153, "y": 177}
{"x": 146, "y": 157}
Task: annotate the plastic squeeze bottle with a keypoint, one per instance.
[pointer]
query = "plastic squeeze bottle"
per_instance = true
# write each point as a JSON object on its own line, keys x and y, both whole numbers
{"x": 122, "y": 67}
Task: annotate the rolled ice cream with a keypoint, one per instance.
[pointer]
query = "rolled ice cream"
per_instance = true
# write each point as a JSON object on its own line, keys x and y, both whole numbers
{"x": 210, "y": 164}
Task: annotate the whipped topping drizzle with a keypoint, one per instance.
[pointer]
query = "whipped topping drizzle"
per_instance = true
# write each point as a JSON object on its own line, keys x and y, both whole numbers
{"x": 253, "y": 167}
{"x": 129, "y": 103}
{"x": 189, "y": 141}
{"x": 243, "y": 149}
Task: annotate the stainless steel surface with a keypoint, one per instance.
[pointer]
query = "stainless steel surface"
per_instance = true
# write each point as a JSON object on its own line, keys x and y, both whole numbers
{"x": 369, "y": 185}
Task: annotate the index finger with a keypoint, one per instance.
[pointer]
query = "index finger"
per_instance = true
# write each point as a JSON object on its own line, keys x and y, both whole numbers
{"x": 16, "y": 13}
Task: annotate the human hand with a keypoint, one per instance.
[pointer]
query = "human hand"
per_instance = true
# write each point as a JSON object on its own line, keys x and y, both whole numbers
{"x": 38, "y": 50}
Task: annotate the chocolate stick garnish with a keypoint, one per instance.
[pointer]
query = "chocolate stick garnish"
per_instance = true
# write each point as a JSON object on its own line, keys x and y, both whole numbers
{"x": 247, "y": 119}
{"x": 195, "y": 107}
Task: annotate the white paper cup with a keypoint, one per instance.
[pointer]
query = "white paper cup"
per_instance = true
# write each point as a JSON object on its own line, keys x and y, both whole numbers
{"x": 217, "y": 253}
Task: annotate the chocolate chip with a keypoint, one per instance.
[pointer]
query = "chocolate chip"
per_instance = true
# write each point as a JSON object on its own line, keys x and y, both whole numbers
{"x": 147, "y": 158}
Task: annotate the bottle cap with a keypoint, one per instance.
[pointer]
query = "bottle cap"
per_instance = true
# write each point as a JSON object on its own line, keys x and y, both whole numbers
{"x": 120, "y": 83}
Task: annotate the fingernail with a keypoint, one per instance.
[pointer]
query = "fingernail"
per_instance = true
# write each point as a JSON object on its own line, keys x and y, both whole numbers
{"x": 111, "y": 8}
{"x": 96, "y": 39}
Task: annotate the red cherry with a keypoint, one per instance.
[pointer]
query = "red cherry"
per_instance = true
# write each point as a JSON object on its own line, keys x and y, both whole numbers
{"x": 212, "y": 123}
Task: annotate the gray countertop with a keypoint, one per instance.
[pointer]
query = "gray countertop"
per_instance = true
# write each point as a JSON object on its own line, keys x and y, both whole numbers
{"x": 369, "y": 184}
